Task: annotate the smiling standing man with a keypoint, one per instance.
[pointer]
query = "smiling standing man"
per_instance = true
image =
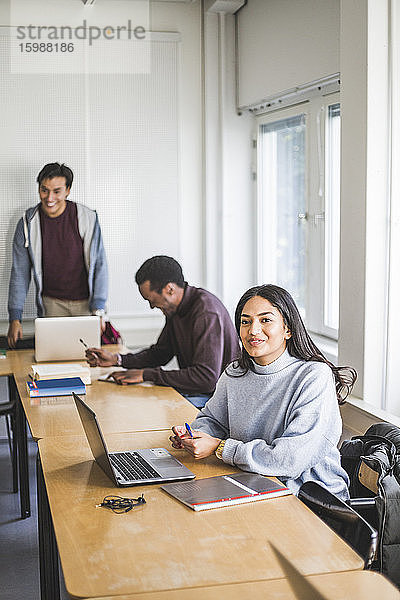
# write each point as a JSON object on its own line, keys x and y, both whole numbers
{"x": 198, "y": 331}
{"x": 60, "y": 242}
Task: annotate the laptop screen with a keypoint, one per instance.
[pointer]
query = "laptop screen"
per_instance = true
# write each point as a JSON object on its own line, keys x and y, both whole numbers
{"x": 57, "y": 338}
{"x": 94, "y": 436}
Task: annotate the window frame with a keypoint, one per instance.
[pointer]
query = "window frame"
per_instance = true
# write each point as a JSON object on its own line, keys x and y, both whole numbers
{"x": 315, "y": 111}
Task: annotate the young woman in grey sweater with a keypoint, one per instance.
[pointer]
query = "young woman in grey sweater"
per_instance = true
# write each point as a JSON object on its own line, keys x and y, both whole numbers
{"x": 275, "y": 410}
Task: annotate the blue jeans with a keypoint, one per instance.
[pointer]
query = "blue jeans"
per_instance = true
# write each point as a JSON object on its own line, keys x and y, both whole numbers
{"x": 198, "y": 400}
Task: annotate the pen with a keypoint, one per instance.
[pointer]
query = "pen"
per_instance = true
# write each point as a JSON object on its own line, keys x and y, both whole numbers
{"x": 84, "y": 343}
{"x": 188, "y": 429}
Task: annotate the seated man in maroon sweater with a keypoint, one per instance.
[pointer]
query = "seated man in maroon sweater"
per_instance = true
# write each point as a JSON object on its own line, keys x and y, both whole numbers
{"x": 198, "y": 331}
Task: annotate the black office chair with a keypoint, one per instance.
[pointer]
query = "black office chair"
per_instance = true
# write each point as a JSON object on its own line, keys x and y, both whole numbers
{"x": 27, "y": 343}
{"x": 343, "y": 519}
{"x": 8, "y": 409}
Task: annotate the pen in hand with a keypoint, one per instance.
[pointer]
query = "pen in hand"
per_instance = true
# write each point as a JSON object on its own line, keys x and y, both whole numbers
{"x": 188, "y": 429}
{"x": 87, "y": 347}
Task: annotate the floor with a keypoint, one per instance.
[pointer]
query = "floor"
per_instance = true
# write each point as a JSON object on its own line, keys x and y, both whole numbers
{"x": 19, "y": 564}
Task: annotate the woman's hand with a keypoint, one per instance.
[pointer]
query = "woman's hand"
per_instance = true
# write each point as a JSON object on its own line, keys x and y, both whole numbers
{"x": 200, "y": 445}
{"x": 179, "y": 431}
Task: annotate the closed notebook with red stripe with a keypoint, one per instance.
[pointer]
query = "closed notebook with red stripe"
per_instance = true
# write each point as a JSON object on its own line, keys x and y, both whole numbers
{"x": 225, "y": 490}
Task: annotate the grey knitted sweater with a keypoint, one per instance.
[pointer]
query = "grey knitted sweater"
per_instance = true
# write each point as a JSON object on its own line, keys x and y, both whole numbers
{"x": 283, "y": 420}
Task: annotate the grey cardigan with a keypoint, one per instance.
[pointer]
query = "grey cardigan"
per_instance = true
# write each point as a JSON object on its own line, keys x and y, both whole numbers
{"x": 27, "y": 259}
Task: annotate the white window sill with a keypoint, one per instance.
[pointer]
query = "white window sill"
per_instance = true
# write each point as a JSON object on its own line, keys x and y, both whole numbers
{"x": 328, "y": 346}
{"x": 357, "y": 415}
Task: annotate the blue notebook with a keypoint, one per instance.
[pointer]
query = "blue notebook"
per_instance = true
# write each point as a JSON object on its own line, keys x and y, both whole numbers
{"x": 56, "y": 387}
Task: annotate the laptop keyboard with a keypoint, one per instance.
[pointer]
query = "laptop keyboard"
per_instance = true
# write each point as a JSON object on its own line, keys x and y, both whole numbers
{"x": 132, "y": 466}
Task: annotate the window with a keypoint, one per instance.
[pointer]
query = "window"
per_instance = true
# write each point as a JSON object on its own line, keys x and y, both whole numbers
{"x": 298, "y": 204}
{"x": 332, "y": 219}
{"x": 283, "y": 204}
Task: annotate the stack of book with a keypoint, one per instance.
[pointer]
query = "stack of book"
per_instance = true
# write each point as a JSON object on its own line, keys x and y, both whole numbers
{"x": 40, "y": 372}
{"x": 58, "y": 379}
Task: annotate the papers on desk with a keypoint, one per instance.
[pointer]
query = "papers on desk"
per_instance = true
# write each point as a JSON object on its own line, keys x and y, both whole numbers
{"x": 225, "y": 490}
{"x": 56, "y": 387}
{"x": 44, "y": 371}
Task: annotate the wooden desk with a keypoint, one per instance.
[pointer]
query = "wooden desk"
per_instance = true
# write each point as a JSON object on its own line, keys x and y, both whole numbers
{"x": 165, "y": 545}
{"x": 351, "y": 585}
{"x": 6, "y": 364}
{"x": 118, "y": 408}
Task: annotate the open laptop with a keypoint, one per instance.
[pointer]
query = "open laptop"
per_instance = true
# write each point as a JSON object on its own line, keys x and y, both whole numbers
{"x": 133, "y": 467}
{"x": 57, "y": 338}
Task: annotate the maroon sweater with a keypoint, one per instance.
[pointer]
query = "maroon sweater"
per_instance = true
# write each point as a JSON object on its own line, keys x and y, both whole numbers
{"x": 63, "y": 264}
{"x": 202, "y": 337}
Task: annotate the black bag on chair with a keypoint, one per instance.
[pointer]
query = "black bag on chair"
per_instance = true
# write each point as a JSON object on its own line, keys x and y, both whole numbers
{"x": 372, "y": 462}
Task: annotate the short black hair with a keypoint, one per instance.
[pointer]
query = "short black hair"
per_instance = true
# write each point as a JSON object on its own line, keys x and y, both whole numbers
{"x": 52, "y": 170}
{"x": 160, "y": 270}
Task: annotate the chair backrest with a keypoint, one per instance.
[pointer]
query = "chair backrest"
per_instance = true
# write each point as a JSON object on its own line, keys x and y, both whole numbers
{"x": 27, "y": 343}
{"x": 391, "y": 433}
{"x": 345, "y": 521}
{"x": 372, "y": 462}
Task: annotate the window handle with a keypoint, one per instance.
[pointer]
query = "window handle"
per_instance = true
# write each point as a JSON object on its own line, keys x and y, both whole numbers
{"x": 315, "y": 218}
{"x": 318, "y": 217}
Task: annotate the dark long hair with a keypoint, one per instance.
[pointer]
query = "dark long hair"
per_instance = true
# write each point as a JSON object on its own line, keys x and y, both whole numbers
{"x": 299, "y": 344}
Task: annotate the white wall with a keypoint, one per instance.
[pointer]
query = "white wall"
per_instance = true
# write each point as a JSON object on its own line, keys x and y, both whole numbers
{"x": 365, "y": 194}
{"x": 186, "y": 233}
{"x": 284, "y": 43}
{"x": 239, "y": 268}
{"x": 185, "y": 18}
{"x": 229, "y": 214}
{"x": 353, "y": 185}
